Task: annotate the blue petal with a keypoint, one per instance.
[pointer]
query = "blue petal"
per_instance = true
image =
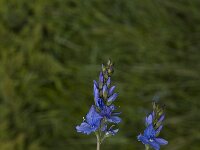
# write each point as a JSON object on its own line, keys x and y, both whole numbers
{"x": 106, "y": 111}
{"x": 108, "y": 82}
{"x": 112, "y": 107}
{"x": 116, "y": 113}
{"x": 143, "y": 139}
{"x": 101, "y": 77}
{"x": 115, "y": 119}
{"x": 111, "y": 90}
{"x": 85, "y": 128}
{"x": 149, "y": 120}
{"x": 154, "y": 145}
{"x": 161, "y": 118}
{"x": 112, "y": 98}
{"x": 95, "y": 83}
{"x": 159, "y": 129}
{"x": 105, "y": 90}
{"x": 149, "y": 132}
{"x": 96, "y": 93}
{"x": 161, "y": 141}
{"x": 93, "y": 118}
{"x": 100, "y": 103}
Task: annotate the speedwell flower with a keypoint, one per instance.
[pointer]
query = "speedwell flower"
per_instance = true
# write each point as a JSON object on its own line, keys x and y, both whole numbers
{"x": 110, "y": 115}
{"x": 91, "y": 123}
{"x": 153, "y": 127}
{"x": 102, "y": 117}
{"x": 149, "y": 138}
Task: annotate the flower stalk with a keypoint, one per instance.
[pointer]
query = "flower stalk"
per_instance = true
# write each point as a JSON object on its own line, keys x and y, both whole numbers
{"x": 102, "y": 116}
{"x": 154, "y": 124}
{"x": 98, "y": 142}
{"x": 146, "y": 147}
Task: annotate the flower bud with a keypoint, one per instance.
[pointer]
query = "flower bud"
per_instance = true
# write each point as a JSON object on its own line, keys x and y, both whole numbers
{"x": 112, "y": 98}
{"x": 105, "y": 92}
{"x": 108, "y": 82}
{"x": 101, "y": 77}
{"x": 109, "y": 62}
{"x": 111, "y": 90}
{"x": 103, "y": 68}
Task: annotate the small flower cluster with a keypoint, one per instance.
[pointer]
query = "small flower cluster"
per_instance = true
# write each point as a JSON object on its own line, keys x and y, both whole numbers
{"x": 102, "y": 116}
{"x": 153, "y": 127}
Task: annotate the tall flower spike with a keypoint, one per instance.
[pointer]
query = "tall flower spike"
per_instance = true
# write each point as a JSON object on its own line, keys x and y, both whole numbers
{"x": 103, "y": 116}
{"x": 153, "y": 127}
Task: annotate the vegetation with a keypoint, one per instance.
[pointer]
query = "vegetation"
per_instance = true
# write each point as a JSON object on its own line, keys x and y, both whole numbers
{"x": 51, "y": 50}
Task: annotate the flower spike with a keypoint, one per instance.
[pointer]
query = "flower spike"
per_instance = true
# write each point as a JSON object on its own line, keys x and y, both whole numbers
{"x": 102, "y": 116}
{"x": 153, "y": 127}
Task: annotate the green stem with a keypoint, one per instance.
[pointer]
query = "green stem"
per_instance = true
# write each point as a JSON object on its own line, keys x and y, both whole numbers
{"x": 146, "y": 147}
{"x": 98, "y": 142}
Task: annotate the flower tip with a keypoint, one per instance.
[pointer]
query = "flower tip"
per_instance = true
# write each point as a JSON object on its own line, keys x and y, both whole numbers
{"x": 149, "y": 120}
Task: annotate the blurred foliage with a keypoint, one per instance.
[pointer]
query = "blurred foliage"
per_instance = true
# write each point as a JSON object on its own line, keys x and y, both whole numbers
{"x": 51, "y": 50}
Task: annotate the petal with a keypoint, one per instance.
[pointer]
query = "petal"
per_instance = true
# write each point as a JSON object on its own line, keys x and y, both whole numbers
{"x": 115, "y": 119}
{"x": 85, "y": 128}
{"x": 93, "y": 118}
{"x": 100, "y": 103}
{"x": 111, "y": 90}
{"x": 95, "y": 83}
{"x": 154, "y": 145}
{"x": 105, "y": 88}
{"x": 149, "y": 132}
{"x": 116, "y": 113}
{"x": 105, "y": 91}
{"x": 106, "y": 111}
{"x": 108, "y": 82}
{"x": 112, "y": 98}
{"x": 161, "y": 118}
{"x": 101, "y": 77}
{"x": 161, "y": 141}
{"x": 143, "y": 139}
{"x": 112, "y": 107}
{"x": 96, "y": 96}
{"x": 159, "y": 129}
{"x": 96, "y": 93}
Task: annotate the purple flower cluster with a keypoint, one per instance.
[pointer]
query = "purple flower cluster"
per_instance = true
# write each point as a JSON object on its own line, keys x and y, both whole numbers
{"x": 102, "y": 116}
{"x": 153, "y": 128}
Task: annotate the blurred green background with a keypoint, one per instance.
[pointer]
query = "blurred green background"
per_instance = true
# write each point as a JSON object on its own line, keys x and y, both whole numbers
{"x": 51, "y": 50}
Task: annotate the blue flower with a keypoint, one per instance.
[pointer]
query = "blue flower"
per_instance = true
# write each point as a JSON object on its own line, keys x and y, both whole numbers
{"x": 102, "y": 116}
{"x": 149, "y": 138}
{"x": 153, "y": 127}
{"x": 91, "y": 123}
{"x": 108, "y": 113}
